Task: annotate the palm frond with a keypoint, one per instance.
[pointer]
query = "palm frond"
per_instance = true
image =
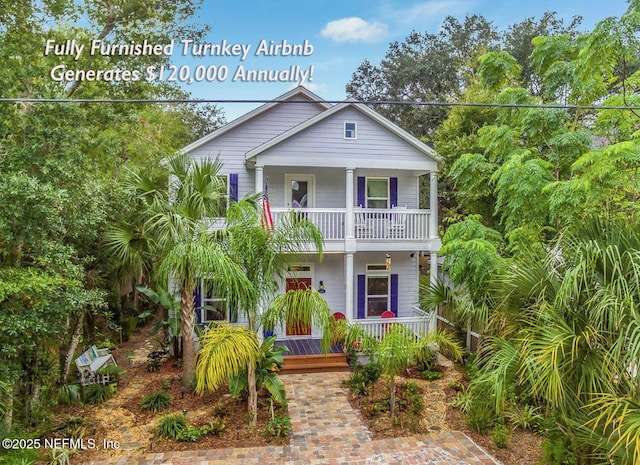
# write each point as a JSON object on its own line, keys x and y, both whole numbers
{"x": 226, "y": 351}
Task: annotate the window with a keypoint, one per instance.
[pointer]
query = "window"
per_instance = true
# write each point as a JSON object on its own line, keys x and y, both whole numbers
{"x": 377, "y": 291}
{"x": 223, "y": 202}
{"x": 350, "y": 131}
{"x": 377, "y": 193}
{"x": 214, "y": 307}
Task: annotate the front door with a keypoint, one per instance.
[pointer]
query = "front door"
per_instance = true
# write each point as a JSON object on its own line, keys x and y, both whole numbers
{"x": 299, "y": 190}
{"x": 295, "y": 284}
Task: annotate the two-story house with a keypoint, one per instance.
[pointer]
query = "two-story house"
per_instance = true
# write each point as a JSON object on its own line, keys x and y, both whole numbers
{"x": 356, "y": 175}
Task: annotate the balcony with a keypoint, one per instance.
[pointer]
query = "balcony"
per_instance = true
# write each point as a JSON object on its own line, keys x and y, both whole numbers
{"x": 369, "y": 224}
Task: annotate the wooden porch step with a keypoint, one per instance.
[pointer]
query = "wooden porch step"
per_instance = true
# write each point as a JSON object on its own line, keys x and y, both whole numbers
{"x": 314, "y": 363}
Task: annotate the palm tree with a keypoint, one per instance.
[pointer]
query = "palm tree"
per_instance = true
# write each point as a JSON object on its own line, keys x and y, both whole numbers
{"x": 576, "y": 343}
{"x": 397, "y": 347}
{"x": 226, "y": 351}
{"x": 174, "y": 219}
{"x": 264, "y": 255}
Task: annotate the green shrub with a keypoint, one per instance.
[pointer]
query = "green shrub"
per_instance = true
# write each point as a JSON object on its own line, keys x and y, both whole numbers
{"x": 278, "y": 427}
{"x": 371, "y": 372}
{"x": 215, "y": 427}
{"x": 462, "y": 401}
{"x": 480, "y": 417}
{"x": 69, "y": 394}
{"x": 171, "y": 426}
{"x": 500, "y": 436}
{"x": 115, "y": 372}
{"x": 411, "y": 387}
{"x": 166, "y": 384}
{"x": 431, "y": 375}
{"x": 557, "y": 451}
{"x": 59, "y": 456}
{"x": 221, "y": 411}
{"x": 526, "y": 417}
{"x": 97, "y": 393}
{"x": 156, "y": 401}
{"x": 190, "y": 434}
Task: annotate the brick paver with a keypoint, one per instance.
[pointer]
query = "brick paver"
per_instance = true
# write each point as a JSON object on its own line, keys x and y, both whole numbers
{"x": 326, "y": 430}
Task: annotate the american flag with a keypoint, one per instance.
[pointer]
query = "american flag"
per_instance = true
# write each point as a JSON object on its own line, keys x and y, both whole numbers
{"x": 267, "y": 219}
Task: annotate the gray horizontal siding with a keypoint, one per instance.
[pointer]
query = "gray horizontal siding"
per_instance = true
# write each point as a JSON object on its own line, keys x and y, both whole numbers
{"x": 402, "y": 264}
{"x": 325, "y": 139}
{"x": 232, "y": 146}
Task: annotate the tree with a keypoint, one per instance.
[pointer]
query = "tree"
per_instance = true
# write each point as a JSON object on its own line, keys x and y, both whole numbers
{"x": 175, "y": 219}
{"x": 263, "y": 255}
{"x": 425, "y": 67}
{"x": 397, "y": 347}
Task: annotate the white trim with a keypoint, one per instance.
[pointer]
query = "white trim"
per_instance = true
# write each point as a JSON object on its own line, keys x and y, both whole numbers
{"x": 252, "y": 114}
{"x": 381, "y": 120}
{"x": 311, "y": 188}
{"x": 214, "y": 298}
{"x": 355, "y": 130}
{"x": 342, "y": 162}
{"x": 376, "y": 274}
{"x": 366, "y": 191}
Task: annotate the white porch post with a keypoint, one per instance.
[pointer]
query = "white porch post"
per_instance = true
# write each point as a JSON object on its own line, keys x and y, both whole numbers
{"x": 433, "y": 204}
{"x": 349, "y": 231}
{"x": 348, "y": 271}
{"x": 259, "y": 179}
{"x": 349, "y": 244}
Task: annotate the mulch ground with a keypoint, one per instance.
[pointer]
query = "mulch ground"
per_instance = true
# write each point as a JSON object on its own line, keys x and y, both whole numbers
{"x": 438, "y": 417}
{"x": 122, "y": 419}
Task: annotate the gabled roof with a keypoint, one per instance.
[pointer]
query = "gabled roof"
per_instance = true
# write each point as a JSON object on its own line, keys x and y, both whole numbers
{"x": 378, "y": 118}
{"x": 296, "y": 92}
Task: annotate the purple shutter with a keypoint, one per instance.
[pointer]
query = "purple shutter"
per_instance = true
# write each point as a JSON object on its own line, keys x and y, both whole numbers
{"x": 394, "y": 294}
{"x": 361, "y": 191}
{"x": 362, "y": 296}
{"x": 393, "y": 192}
{"x": 233, "y": 187}
{"x": 197, "y": 302}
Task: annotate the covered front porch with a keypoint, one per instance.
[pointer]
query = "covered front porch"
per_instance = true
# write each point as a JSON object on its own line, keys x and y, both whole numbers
{"x": 306, "y": 354}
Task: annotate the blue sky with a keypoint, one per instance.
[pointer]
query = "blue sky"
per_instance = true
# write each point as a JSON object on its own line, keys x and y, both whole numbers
{"x": 343, "y": 34}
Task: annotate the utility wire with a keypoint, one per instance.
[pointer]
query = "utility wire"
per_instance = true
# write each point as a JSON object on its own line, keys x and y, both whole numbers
{"x": 358, "y": 102}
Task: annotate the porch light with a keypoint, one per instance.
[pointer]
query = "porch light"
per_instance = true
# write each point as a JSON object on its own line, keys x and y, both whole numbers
{"x": 387, "y": 262}
{"x": 321, "y": 288}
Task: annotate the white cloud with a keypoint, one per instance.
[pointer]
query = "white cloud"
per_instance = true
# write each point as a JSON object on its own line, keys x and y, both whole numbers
{"x": 354, "y": 29}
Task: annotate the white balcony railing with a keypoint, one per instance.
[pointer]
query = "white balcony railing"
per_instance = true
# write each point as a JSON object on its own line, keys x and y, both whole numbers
{"x": 397, "y": 224}
{"x": 329, "y": 220}
{"x": 377, "y": 327}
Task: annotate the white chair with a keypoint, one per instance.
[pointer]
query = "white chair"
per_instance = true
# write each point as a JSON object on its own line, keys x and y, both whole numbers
{"x": 361, "y": 225}
{"x": 397, "y": 225}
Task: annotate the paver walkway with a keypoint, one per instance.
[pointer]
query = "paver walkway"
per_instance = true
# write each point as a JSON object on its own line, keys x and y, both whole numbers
{"x": 326, "y": 430}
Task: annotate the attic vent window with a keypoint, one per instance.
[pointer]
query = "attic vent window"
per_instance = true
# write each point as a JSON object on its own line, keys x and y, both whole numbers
{"x": 350, "y": 130}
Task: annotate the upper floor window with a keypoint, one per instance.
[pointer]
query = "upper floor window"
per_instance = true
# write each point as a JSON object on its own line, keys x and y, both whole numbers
{"x": 377, "y": 193}
{"x": 350, "y": 131}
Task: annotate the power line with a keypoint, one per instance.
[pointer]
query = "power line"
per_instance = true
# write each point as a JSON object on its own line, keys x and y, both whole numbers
{"x": 357, "y": 102}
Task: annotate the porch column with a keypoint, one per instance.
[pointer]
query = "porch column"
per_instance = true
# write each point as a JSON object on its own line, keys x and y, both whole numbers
{"x": 348, "y": 277}
{"x": 433, "y": 277}
{"x": 349, "y": 231}
{"x": 259, "y": 179}
{"x": 433, "y": 205}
